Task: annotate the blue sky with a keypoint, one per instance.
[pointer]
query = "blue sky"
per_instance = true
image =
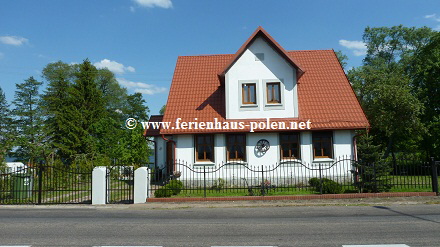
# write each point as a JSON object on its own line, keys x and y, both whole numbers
{"x": 140, "y": 40}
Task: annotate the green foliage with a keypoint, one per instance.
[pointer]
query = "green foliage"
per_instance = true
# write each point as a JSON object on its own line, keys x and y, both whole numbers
{"x": 7, "y": 135}
{"x": 373, "y": 177}
{"x": 372, "y": 169}
{"x": 29, "y": 120}
{"x": 136, "y": 108}
{"x": 162, "y": 110}
{"x": 162, "y": 192}
{"x": 342, "y": 58}
{"x": 86, "y": 110}
{"x": 172, "y": 188}
{"x": 386, "y": 89}
{"x": 425, "y": 72}
{"x": 219, "y": 184}
{"x": 55, "y": 100}
{"x": 175, "y": 186}
{"x": 328, "y": 186}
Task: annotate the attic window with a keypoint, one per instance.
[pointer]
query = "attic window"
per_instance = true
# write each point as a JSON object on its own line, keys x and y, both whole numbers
{"x": 259, "y": 56}
{"x": 249, "y": 93}
{"x": 273, "y": 93}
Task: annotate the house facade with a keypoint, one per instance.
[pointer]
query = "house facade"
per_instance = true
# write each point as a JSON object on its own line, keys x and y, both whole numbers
{"x": 261, "y": 106}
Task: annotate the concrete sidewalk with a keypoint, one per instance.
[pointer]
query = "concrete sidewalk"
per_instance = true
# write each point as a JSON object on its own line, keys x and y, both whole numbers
{"x": 292, "y": 203}
{"x": 384, "y": 201}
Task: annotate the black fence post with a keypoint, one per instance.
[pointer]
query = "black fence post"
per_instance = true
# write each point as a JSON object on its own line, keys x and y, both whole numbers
{"x": 262, "y": 180}
{"x": 320, "y": 178}
{"x": 40, "y": 181}
{"x": 204, "y": 181}
{"x": 434, "y": 175}
{"x": 375, "y": 177}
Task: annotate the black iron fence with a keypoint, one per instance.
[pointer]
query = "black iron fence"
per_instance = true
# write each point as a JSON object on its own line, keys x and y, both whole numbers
{"x": 120, "y": 184}
{"x": 289, "y": 177}
{"x": 45, "y": 185}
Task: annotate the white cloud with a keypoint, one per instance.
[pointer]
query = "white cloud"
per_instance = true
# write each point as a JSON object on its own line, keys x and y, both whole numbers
{"x": 359, "y": 48}
{"x": 13, "y": 40}
{"x": 140, "y": 87}
{"x": 155, "y": 3}
{"x": 433, "y": 17}
{"x": 113, "y": 66}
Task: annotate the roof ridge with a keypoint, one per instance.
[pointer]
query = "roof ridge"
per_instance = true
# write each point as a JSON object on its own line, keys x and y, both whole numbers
{"x": 210, "y": 55}
{"x": 309, "y": 50}
{"x": 206, "y": 55}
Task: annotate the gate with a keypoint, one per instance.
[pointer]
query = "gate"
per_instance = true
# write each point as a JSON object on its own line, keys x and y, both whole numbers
{"x": 120, "y": 184}
{"x": 45, "y": 185}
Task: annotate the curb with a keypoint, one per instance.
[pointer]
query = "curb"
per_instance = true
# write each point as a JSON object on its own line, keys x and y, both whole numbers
{"x": 301, "y": 197}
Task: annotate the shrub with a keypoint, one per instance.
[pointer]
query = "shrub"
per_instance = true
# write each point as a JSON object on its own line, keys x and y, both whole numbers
{"x": 175, "y": 186}
{"x": 328, "y": 186}
{"x": 315, "y": 182}
{"x": 218, "y": 185}
{"x": 162, "y": 192}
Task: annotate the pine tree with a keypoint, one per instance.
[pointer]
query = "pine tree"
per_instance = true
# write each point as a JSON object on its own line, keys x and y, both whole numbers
{"x": 29, "y": 120}
{"x": 60, "y": 77}
{"x": 6, "y": 128}
{"x": 84, "y": 111}
{"x": 372, "y": 168}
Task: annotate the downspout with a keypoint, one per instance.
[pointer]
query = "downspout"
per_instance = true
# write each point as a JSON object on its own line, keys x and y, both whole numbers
{"x": 355, "y": 146}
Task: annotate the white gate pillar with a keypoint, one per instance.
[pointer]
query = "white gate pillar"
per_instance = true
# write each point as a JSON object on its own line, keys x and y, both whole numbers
{"x": 141, "y": 184}
{"x": 99, "y": 188}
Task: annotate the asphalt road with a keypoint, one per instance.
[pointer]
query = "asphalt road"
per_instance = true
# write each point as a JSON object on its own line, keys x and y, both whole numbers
{"x": 413, "y": 225}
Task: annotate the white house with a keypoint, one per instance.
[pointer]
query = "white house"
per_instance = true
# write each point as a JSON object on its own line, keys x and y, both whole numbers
{"x": 260, "y": 106}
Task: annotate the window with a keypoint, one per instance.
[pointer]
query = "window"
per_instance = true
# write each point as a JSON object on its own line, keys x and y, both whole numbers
{"x": 236, "y": 147}
{"x": 204, "y": 147}
{"x": 322, "y": 144}
{"x": 289, "y": 145}
{"x": 273, "y": 93}
{"x": 249, "y": 93}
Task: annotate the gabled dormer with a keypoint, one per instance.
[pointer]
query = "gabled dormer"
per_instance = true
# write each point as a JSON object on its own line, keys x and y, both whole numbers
{"x": 261, "y": 80}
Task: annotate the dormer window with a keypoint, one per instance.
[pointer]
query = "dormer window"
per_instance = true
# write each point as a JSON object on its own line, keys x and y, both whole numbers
{"x": 249, "y": 93}
{"x": 273, "y": 93}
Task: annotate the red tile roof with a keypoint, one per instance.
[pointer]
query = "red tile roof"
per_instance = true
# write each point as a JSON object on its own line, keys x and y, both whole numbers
{"x": 325, "y": 96}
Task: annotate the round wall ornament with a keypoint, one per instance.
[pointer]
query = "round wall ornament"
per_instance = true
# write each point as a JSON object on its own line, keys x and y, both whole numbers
{"x": 263, "y": 145}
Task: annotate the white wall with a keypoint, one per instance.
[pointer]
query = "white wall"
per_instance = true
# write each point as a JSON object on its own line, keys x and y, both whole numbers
{"x": 343, "y": 143}
{"x": 305, "y": 139}
{"x": 184, "y": 148}
{"x": 220, "y": 148}
{"x": 272, "y": 68}
{"x": 272, "y": 156}
{"x": 342, "y": 146}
